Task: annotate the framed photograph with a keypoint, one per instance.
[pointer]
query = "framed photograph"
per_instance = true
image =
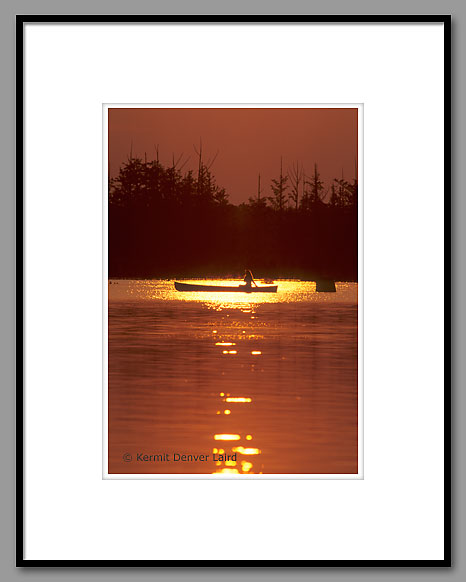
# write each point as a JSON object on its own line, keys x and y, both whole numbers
{"x": 235, "y": 241}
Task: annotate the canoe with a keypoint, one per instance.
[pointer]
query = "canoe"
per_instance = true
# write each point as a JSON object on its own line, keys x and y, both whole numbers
{"x": 224, "y": 289}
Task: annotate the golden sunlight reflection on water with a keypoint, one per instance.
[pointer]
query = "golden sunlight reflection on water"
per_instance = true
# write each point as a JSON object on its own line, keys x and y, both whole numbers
{"x": 288, "y": 291}
{"x": 259, "y": 383}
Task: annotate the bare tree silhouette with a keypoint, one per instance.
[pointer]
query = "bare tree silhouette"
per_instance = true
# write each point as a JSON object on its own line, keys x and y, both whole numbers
{"x": 295, "y": 174}
{"x": 279, "y": 187}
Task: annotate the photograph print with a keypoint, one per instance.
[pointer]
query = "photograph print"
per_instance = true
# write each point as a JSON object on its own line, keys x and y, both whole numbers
{"x": 232, "y": 258}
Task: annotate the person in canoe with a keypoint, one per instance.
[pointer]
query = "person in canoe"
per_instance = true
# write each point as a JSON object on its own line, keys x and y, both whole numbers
{"x": 249, "y": 279}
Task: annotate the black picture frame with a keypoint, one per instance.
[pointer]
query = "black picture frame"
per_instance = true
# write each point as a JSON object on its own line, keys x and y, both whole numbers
{"x": 21, "y": 20}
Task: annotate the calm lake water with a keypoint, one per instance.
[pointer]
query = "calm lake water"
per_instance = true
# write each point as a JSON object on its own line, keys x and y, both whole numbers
{"x": 268, "y": 378}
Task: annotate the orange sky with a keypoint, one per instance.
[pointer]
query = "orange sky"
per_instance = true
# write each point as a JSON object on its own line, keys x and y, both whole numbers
{"x": 249, "y": 141}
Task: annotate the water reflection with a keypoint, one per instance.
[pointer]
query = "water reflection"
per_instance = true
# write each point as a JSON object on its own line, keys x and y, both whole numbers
{"x": 266, "y": 383}
{"x": 232, "y": 454}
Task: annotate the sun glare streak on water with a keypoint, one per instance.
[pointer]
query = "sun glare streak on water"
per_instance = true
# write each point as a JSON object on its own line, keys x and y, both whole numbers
{"x": 191, "y": 371}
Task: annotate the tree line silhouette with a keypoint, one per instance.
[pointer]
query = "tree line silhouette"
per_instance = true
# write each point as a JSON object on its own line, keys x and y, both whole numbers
{"x": 164, "y": 222}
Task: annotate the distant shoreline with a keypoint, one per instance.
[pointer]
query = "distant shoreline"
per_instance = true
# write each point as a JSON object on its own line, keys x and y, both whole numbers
{"x": 226, "y": 278}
